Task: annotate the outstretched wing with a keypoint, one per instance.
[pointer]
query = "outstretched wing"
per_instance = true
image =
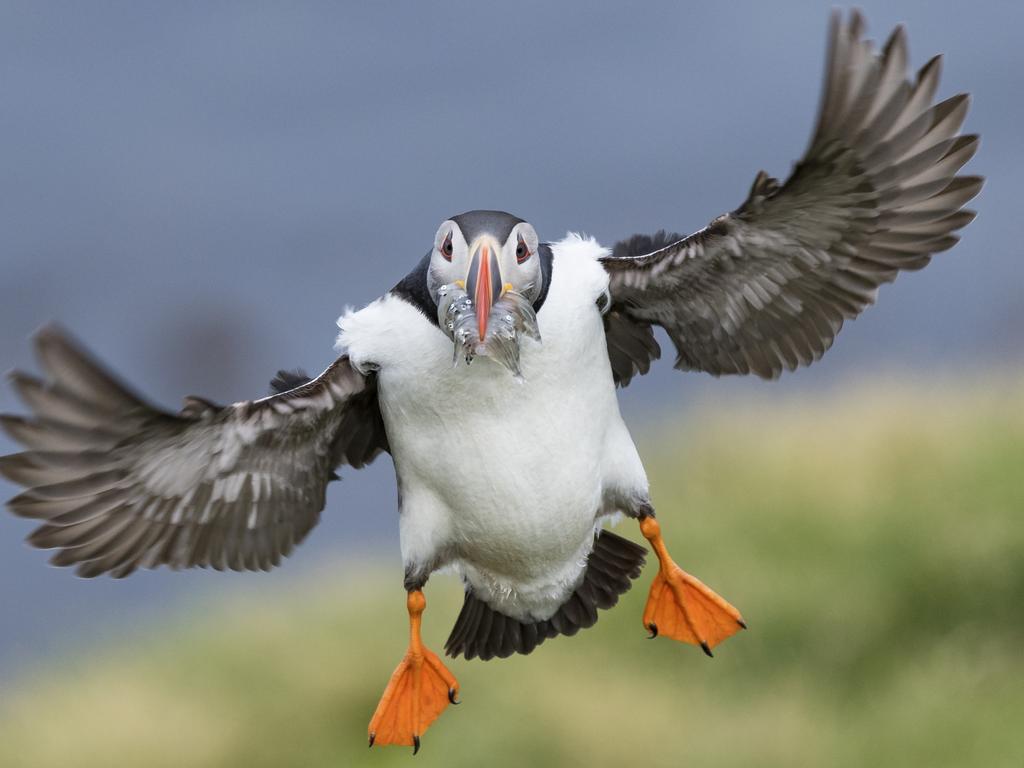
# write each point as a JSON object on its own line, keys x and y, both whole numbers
{"x": 768, "y": 286}
{"x": 121, "y": 485}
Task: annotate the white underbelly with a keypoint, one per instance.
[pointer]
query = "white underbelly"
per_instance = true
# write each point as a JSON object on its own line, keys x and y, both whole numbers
{"x": 516, "y": 465}
{"x": 503, "y": 480}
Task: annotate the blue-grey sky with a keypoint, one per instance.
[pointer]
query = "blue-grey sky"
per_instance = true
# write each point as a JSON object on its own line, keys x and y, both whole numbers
{"x": 198, "y": 189}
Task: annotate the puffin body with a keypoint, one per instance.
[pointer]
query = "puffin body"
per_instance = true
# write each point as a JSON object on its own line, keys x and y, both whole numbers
{"x": 504, "y": 480}
{"x": 489, "y": 374}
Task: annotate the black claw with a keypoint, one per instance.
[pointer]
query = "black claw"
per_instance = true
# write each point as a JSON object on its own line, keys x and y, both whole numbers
{"x": 373, "y": 737}
{"x": 653, "y": 629}
{"x": 707, "y": 650}
{"x": 451, "y": 697}
{"x": 415, "y": 744}
{"x": 742, "y": 623}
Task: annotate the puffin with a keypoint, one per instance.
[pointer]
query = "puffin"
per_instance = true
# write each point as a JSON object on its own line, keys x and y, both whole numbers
{"x": 489, "y": 373}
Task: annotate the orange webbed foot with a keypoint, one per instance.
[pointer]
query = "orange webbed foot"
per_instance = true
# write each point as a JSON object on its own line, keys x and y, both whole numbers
{"x": 681, "y": 606}
{"x": 420, "y": 689}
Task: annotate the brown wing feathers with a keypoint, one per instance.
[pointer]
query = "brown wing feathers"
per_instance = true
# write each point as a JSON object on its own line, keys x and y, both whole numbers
{"x": 120, "y": 485}
{"x": 767, "y": 287}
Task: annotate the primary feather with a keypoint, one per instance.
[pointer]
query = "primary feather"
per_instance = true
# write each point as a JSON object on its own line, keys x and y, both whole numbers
{"x": 121, "y": 485}
{"x": 767, "y": 287}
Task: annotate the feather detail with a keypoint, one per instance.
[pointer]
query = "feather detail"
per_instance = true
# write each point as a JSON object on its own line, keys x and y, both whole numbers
{"x": 121, "y": 485}
{"x": 767, "y": 287}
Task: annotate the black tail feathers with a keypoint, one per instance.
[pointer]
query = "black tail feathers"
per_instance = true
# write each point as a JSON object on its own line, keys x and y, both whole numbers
{"x": 482, "y": 631}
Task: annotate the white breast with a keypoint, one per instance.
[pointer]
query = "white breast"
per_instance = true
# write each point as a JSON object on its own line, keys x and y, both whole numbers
{"x": 500, "y": 478}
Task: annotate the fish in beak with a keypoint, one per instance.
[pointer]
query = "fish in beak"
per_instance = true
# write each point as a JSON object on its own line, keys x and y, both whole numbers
{"x": 483, "y": 315}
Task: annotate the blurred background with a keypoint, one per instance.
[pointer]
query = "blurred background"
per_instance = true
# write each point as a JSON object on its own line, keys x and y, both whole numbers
{"x": 197, "y": 190}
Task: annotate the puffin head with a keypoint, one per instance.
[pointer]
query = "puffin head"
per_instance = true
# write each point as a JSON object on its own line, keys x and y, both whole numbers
{"x": 485, "y": 276}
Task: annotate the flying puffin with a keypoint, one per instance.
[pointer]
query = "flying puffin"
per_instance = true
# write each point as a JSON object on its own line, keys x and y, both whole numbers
{"x": 489, "y": 373}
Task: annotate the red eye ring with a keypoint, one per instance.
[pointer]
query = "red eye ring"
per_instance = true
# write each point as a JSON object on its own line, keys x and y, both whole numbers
{"x": 446, "y": 247}
{"x": 522, "y": 251}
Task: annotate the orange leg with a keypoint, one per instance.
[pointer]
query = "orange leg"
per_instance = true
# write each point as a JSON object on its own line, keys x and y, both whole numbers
{"x": 419, "y": 690}
{"x": 681, "y": 606}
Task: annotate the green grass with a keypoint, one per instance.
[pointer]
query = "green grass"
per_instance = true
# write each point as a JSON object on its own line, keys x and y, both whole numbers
{"x": 873, "y": 539}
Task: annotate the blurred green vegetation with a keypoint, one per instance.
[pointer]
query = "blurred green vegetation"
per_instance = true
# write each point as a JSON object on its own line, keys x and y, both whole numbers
{"x": 873, "y": 538}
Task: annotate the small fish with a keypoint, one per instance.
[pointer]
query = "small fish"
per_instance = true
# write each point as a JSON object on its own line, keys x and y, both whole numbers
{"x": 511, "y": 317}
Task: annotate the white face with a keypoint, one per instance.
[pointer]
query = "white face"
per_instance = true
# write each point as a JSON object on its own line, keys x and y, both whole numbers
{"x": 510, "y": 266}
{"x": 485, "y": 289}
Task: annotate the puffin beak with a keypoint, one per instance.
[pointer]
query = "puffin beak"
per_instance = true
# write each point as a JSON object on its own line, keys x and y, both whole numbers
{"x": 483, "y": 282}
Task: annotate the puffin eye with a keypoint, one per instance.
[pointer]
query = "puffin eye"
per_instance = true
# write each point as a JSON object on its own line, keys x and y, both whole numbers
{"x": 522, "y": 252}
{"x": 446, "y": 247}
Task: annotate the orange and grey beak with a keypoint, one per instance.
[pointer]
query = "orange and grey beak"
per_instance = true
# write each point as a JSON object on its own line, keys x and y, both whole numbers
{"x": 483, "y": 282}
